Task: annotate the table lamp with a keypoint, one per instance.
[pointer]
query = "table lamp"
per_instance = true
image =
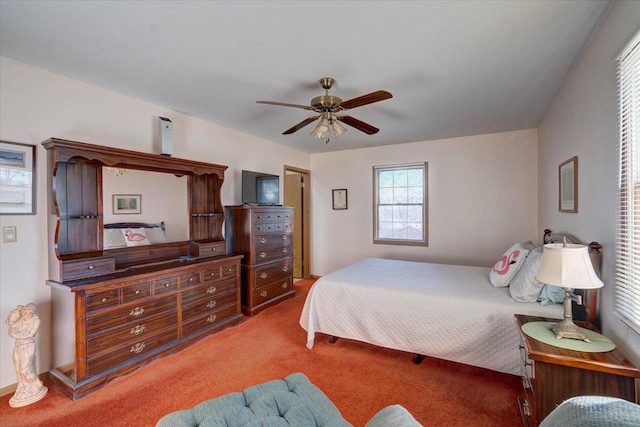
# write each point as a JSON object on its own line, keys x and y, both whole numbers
{"x": 568, "y": 266}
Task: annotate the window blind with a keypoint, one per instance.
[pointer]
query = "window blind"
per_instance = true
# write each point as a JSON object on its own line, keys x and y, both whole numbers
{"x": 627, "y": 293}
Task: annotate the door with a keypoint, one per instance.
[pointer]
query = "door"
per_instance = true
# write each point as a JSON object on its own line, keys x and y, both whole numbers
{"x": 297, "y": 194}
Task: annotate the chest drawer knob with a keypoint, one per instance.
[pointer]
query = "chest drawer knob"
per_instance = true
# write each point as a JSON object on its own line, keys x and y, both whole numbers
{"x": 191, "y": 279}
{"x": 91, "y": 267}
{"x": 212, "y": 304}
{"x": 263, "y": 275}
{"x": 263, "y": 254}
{"x": 212, "y": 318}
{"x": 212, "y": 290}
{"x": 263, "y": 240}
{"x": 230, "y": 269}
{"x": 137, "y": 292}
{"x": 166, "y": 285}
{"x": 137, "y": 312}
{"x": 137, "y": 348}
{"x": 285, "y": 285}
{"x": 103, "y": 300}
{"x": 137, "y": 330}
{"x": 285, "y": 250}
{"x": 285, "y": 237}
{"x": 285, "y": 269}
{"x": 212, "y": 274}
{"x": 263, "y": 294}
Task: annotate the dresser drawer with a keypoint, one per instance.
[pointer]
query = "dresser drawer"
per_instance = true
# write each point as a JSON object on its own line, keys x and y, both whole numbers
{"x": 132, "y": 312}
{"x": 271, "y": 227}
{"x": 261, "y": 217}
{"x": 272, "y": 272}
{"x": 208, "y": 320}
{"x": 122, "y": 354}
{"x": 208, "y": 291}
{"x": 274, "y": 239}
{"x": 189, "y": 279}
{"x": 208, "y": 306}
{"x": 274, "y": 290}
{"x": 89, "y": 267}
{"x": 205, "y": 249}
{"x": 136, "y": 292}
{"x": 273, "y": 253}
{"x": 103, "y": 299}
{"x": 229, "y": 271}
{"x": 133, "y": 331}
{"x": 168, "y": 284}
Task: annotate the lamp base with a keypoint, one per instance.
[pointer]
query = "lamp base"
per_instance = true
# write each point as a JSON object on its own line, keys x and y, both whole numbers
{"x": 567, "y": 329}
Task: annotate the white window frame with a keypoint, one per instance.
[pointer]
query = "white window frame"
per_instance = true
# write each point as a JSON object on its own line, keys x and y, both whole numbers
{"x": 424, "y": 166}
{"x": 627, "y": 292}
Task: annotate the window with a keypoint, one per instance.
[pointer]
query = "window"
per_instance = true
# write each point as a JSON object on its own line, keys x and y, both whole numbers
{"x": 627, "y": 300}
{"x": 400, "y": 204}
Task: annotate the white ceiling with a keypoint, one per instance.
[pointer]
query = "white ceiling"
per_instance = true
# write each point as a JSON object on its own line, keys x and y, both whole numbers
{"x": 455, "y": 68}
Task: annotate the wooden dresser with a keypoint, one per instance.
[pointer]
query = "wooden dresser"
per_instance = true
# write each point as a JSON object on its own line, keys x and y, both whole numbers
{"x": 263, "y": 234}
{"x": 115, "y": 310}
{"x": 553, "y": 374}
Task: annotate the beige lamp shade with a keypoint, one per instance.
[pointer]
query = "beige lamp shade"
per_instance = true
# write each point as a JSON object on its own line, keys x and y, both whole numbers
{"x": 568, "y": 267}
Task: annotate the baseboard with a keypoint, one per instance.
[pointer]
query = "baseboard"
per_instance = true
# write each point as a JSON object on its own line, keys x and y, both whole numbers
{"x": 12, "y": 387}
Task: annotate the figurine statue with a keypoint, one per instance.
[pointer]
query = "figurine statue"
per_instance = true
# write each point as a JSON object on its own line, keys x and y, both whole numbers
{"x": 23, "y": 324}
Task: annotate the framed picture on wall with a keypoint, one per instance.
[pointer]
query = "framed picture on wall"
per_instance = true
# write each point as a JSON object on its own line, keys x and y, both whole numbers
{"x": 339, "y": 198}
{"x": 127, "y": 204}
{"x": 17, "y": 178}
{"x": 568, "y": 185}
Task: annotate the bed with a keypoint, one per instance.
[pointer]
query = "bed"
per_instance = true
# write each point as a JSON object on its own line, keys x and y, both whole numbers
{"x": 444, "y": 311}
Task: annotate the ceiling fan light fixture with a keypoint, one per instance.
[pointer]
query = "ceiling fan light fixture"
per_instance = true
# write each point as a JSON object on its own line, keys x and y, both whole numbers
{"x": 322, "y": 130}
{"x": 337, "y": 128}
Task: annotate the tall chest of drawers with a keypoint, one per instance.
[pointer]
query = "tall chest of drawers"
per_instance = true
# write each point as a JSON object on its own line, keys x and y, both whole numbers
{"x": 263, "y": 234}
{"x": 125, "y": 320}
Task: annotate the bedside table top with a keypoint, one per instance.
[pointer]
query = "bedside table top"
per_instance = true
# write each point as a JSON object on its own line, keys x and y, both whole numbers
{"x": 612, "y": 362}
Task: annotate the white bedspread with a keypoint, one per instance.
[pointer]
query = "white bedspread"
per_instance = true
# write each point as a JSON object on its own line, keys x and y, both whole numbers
{"x": 444, "y": 311}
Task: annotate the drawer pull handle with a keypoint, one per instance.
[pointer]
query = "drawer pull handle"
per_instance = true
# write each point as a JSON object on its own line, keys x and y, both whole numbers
{"x": 263, "y": 294}
{"x": 263, "y": 254}
{"x": 137, "y": 330}
{"x": 230, "y": 269}
{"x": 137, "y": 348}
{"x": 136, "y": 312}
{"x": 285, "y": 269}
{"x": 527, "y": 408}
{"x": 212, "y": 304}
{"x": 525, "y": 383}
{"x": 212, "y": 318}
{"x": 166, "y": 285}
{"x": 212, "y": 290}
{"x": 191, "y": 279}
{"x": 212, "y": 274}
{"x": 263, "y": 240}
{"x": 285, "y": 285}
{"x": 214, "y": 249}
{"x": 263, "y": 275}
{"x": 91, "y": 267}
{"x": 284, "y": 250}
{"x": 285, "y": 237}
{"x": 137, "y": 292}
{"x": 103, "y": 300}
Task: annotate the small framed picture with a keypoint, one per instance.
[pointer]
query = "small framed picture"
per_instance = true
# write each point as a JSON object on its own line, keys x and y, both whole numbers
{"x": 568, "y": 186}
{"x": 127, "y": 203}
{"x": 339, "y": 198}
{"x": 17, "y": 179}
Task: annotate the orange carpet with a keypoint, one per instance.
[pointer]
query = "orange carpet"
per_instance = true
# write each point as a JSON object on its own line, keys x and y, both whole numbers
{"x": 359, "y": 378}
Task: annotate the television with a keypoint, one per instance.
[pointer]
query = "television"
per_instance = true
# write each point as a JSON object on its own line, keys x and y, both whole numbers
{"x": 260, "y": 188}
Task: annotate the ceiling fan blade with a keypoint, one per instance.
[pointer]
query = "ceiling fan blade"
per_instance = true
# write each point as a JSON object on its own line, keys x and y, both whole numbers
{"x": 300, "y": 125}
{"x": 358, "y": 124}
{"x": 284, "y": 104}
{"x": 369, "y": 98}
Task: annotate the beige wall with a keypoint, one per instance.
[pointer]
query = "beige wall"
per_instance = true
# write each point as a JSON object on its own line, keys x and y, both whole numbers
{"x": 36, "y": 105}
{"x": 582, "y": 121}
{"x": 482, "y": 199}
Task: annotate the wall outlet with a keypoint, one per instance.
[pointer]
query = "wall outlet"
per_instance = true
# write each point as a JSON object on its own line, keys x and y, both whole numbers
{"x": 10, "y": 234}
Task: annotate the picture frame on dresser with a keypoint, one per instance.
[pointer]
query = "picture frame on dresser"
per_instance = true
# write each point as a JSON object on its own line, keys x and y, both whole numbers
{"x": 17, "y": 178}
{"x": 568, "y": 186}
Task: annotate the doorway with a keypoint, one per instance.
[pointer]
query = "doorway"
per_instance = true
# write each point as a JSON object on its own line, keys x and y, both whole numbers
{"x": 297, "y": 193}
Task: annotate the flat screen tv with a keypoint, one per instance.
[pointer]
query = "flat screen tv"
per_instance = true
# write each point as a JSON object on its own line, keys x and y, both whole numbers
{"x": 260, "y": 188}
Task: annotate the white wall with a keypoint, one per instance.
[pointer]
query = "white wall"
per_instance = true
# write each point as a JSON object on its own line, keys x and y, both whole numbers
{"x": 482, "y": 199}
{"x": 36, "y": 105}
{"x": 583, "y": 121}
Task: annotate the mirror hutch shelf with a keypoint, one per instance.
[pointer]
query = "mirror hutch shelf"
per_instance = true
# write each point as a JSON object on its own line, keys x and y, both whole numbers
{"x": 114, "y": 310}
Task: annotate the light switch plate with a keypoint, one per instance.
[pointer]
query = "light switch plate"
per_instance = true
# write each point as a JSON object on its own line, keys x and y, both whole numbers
{"x": 10, "y": 234}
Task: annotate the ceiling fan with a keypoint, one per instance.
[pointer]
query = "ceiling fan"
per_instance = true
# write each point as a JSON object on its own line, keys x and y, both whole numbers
{"x": 328, "y": 107}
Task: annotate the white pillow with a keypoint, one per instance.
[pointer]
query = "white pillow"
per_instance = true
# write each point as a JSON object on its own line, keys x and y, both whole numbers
{"x": 135, "y": 236}
{"x": 507, "y": 266}
{"x": 113, "y": 238}
{"x": 524, "y": 286}
{"x": 156, "y": 235}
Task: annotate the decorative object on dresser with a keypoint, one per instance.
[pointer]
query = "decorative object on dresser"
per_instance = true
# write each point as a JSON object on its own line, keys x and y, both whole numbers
{"x": 23, "y": 324}
{"x": 263, "y": 234}
{"x": 568, "y": 266}
{"x": 116, "y": 309}
{"x": 552, "y": 374}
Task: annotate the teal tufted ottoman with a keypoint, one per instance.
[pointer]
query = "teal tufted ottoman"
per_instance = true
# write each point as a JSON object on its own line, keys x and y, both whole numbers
{"x": 293, "y": 401}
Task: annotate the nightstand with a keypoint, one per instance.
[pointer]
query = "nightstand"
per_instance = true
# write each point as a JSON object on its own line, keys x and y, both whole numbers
{"x": 553, "y": 374}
